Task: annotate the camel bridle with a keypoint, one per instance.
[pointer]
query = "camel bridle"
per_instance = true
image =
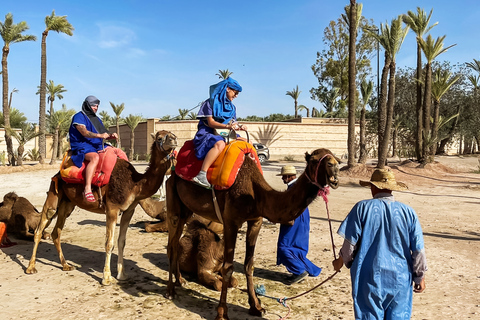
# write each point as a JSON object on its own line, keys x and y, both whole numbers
{"x": 315, "y": 181}
{"x": 161, "y": 142}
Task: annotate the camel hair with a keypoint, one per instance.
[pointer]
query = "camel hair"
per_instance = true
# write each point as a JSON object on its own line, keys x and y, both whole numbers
{"x": 250, "y": 199}
{"x": 122, "y": 194}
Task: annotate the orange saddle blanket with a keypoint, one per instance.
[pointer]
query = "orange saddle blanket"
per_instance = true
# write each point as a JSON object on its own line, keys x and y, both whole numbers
{"x": 224, "y": 170}
{"x": 70, "y": 173}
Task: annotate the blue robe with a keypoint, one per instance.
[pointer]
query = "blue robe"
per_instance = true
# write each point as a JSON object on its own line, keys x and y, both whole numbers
{"x": 292, "y": 246}
{"x": 385, "y": 233}
{"x": 78, "y": 143}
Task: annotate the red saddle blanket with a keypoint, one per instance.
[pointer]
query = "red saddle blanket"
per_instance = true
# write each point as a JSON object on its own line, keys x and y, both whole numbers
{"x": 223, "y": 172}
{"x": 70, "y": 173}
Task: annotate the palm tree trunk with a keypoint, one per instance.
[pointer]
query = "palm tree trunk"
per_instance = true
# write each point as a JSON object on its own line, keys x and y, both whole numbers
{"x": 21, "y": 149}
{"x": 382, "y": 109}
{"x": 363, "y": 145}
{"x": 419, "y": 108}
{"x": 54, "y": 146}
{"x": 382, "y": 157}
{"x": 6, "y": 109}
{"x": 296, "y": 109}
{"x": 132, "y": 140}
{"x": 351, "y": 83}
{"x": 427, "y": 102}
{"x": 119, "y": 141}
{"x": 436, "y": 117}
{"x": 42, "y": 142}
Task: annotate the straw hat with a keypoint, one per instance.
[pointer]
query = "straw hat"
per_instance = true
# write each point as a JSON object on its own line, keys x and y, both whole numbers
{"x": 384, "y": 179}
{"x": 287, "y": 171}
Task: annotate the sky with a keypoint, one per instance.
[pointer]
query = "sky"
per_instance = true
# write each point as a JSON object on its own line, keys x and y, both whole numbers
{"x": 158, "y": 56}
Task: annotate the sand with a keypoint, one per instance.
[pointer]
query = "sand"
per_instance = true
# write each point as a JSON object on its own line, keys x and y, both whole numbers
{"x": 446, "y": 196}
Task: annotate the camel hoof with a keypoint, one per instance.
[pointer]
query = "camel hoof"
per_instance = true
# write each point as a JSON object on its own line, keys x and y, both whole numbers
{"x": 108, "y": 281}
{"x": 68, "y": 267}
{"x": 257, "y": 312}
{"x": 170, "y": 296}
{"x": 122, "y": 277}
{"x": 46, "y": 236}
{"x": 31, "y": 270}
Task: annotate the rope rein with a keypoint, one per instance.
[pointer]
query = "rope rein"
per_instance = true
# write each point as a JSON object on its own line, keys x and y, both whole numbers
{"x": 324, "y": 191}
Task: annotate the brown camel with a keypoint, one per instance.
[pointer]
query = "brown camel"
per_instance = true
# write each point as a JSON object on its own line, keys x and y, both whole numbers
{"x": 20, "y": 215}
{"x": 201, "y": 252}
{"x": 249, "y": 199}
{"x": 122, "y": 194}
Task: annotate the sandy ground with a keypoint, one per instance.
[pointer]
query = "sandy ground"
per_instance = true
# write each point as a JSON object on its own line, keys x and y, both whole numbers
{"x": 446, "y": 197}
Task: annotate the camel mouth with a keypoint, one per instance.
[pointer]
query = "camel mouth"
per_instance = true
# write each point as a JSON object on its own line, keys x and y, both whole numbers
{"x": 333, "y": 182}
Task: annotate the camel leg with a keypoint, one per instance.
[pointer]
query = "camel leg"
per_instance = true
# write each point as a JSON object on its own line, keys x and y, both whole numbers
{"x": 122, "y": 237}
{"x": 109, "y": 238}
{"x": 65, "y": 208}
{"x": 230, "y": 238}
{"x": 253, "y": 230}
{"x": 48, "y": 212}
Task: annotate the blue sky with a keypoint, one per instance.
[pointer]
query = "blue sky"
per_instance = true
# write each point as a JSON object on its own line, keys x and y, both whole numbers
{"x": 160, "y": 56}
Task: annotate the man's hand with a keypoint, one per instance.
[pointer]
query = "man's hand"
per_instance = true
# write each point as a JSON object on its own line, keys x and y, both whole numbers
{"x": 337, "y": 264}
{"x": 113, "y": 136}
{"x": 418, "y": 288}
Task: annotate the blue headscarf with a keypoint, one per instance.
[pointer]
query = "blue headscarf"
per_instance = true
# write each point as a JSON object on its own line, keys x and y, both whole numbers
{"x": 223, "y": 108}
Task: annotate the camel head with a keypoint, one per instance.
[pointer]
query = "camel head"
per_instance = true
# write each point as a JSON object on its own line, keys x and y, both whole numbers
{"x": 322, "y": 168}
{"x": 164, "y": 141}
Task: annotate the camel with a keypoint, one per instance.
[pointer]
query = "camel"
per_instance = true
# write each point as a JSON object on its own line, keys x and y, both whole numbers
{"x": 122, "y": 194}
{"x": 250, "y": 199}
{"x": 20, "y": 215}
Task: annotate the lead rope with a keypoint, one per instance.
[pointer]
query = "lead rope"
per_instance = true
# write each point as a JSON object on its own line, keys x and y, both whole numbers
{"x": 323, "y": 192}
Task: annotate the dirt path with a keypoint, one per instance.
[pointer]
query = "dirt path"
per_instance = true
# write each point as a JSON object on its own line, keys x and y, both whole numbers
{"x": 447, "y": 202}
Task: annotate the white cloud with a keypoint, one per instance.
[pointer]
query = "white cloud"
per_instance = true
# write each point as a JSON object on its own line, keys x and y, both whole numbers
{"x": 115, "y": 36}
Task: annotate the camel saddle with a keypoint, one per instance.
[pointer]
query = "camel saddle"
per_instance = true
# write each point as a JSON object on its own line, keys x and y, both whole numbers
{"x": 223, "y": 172}
{"x": 70, "y": 173}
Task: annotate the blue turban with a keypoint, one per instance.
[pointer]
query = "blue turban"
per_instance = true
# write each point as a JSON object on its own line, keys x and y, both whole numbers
{"x": 223, "y": 108}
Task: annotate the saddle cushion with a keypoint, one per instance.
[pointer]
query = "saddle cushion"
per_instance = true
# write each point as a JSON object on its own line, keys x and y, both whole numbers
{"x": 108, "y": 158}
{"x": 223, "y": 172}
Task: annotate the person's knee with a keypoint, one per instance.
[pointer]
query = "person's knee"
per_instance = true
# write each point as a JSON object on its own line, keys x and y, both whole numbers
{"x": 220, "y": 145}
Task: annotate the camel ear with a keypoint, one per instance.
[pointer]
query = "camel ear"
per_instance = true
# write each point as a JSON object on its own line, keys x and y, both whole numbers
{"x": 307, "y": 156}
{"x": 338, "y": 159}
{"x": 153, "y": 136}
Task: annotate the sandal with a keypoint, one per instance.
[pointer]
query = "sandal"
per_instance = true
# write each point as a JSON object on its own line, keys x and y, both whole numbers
{"x": 89, "y": 197}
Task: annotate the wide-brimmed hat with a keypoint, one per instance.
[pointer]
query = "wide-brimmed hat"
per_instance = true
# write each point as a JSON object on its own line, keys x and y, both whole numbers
{"x": 288, "y": 171}
{"x": 384, "y": 179}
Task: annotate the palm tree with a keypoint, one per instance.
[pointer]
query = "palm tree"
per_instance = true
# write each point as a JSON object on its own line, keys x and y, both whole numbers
{"x": 118, "y": 109}
{"x": 11, "y": 33}
{"x": 26, "y": 134}
{"x": 58, "y": 24}
{"x": 294, "y": 94}
{"x": 224, "y": 74}
{"x": 391, "y": 39}
{"x": 419, "y": 22}
{"x": 302, "y": 107}
{"x": 132, "y": 122}
{"x": 329, "y": 100}
{"x": 182, "y": 114}
{"x": 366, "y": 89}
{"x": 17, "y": 118}
{"x": 353, "y": 12}
{"x": 54, "y": 91}
{"x": 431, "y": 49}
{"x": 442, "y": 83}
{"x": 57, "y": 119}
{"x": 63, "y": 131}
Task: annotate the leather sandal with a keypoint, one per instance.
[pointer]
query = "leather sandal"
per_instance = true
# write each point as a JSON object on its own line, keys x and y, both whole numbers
{"x": 89, "y": 197}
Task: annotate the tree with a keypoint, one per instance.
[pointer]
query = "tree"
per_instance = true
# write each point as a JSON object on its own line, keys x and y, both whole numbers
{"x": 57, "y": 24}
{"x": 331, "y": 65}
{"x": 132, "y": 122}
{"x": 431, "y": 49}
{"x": 294, "y": 94}
{"x": 57, "y": 119}
{"x": 366, "y": 90}
{"x": 182, "y": 114}
{"x": 54, "y": 91}
{"x": 17, "y": 118}
{"x": 118, "y": 109}
{"x": 419, "y": 22}
{"x": 223, "y": 74}
{"x": 26, "y": 134}
{"x": 354, "y": 13}
{"x": 442, "y": 82}
{"x": 11, "y": 33}
{"x": 391, "y": 39}
{"x": 302, "y": 107}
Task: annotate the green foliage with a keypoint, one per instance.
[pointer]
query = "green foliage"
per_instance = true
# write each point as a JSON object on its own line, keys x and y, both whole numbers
{"x": 224, "y": 74}
{"x": 289, "y": 158}
{"x": 33, "y": 155}
{"x": 17, "y": 118}
{"x": 132, "y": 121}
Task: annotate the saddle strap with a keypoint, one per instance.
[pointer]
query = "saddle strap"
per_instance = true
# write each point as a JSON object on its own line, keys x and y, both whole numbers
{"x": 217, "y": 208}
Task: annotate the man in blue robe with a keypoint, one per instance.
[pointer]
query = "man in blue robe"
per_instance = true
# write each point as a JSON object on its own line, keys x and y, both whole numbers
{"x": 292, "y": 245}
{"x": 384, "y": 250}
